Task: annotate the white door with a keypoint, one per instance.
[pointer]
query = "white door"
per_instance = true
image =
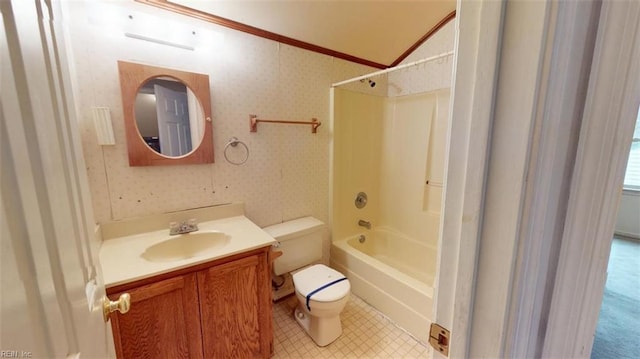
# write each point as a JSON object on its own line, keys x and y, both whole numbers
{"x": 173, "y": 121}
{"x": 48, "y": 235}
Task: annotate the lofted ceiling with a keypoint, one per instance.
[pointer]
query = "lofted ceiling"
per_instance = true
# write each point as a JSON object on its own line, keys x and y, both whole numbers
{"x": 371, "y": 32}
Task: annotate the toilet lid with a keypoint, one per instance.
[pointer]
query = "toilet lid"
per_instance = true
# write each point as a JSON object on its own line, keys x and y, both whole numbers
{"x": 316, "y": 276}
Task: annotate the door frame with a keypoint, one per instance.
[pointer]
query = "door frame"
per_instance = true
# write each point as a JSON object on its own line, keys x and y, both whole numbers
{"x": 506, "y": 291}
{"x": 605, "y": 139}
{"x": 478, "y": 27}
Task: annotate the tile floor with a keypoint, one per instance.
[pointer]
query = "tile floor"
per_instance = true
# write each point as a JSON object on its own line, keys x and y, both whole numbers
{"x": 366, "y": 333}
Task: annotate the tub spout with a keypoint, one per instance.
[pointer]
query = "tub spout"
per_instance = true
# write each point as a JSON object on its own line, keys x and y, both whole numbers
{"x": 365, "y": 224}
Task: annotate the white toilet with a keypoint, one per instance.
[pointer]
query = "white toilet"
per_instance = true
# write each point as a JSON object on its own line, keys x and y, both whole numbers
{"x": 322, "y": 292}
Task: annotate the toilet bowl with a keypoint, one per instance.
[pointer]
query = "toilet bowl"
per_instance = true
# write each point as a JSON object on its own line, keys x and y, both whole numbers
{"x": 322, "y": 294}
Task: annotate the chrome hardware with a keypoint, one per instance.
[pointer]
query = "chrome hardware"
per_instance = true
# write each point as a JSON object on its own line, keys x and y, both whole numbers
{"x": 176, "y": 228}
{"x": 122, "y": 305}
{"x": 365, "y": 224}
{"x": 362, "y": 238}
{"x": 233, "y": 142}
{"x": 361, "y": 200}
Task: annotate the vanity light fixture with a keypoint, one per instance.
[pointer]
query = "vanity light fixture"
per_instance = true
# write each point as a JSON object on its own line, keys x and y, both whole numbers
{"x": 119, "y": 19}
{"x": 158, "y": 41}
{"x": 104, "y": 127}
{"x": 146, "y": 27}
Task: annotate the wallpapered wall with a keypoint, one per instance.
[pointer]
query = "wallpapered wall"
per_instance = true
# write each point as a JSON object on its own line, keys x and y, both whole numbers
{"x": 287, "y": 173}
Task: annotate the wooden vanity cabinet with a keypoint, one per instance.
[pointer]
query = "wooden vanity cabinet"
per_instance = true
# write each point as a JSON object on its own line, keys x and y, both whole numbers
{"x": 163, "y": 322}
{"x": 220, "y": 309}
{"x": 233, "y": 309}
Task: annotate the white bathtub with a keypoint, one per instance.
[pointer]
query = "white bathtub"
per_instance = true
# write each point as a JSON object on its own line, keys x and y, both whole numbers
{"x": 391, "y": 272}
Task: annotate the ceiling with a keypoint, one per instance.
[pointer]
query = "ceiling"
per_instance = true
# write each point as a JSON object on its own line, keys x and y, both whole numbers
{"x": 377, "y": 33}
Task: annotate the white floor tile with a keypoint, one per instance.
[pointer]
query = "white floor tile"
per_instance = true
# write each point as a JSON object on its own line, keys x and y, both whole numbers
{"x": 366, "y": 334}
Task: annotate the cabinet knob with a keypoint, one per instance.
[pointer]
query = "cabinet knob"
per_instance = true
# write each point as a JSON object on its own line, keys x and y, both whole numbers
{"x": 123, "y": 304}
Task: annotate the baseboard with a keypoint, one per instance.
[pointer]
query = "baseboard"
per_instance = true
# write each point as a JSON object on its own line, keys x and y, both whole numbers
{"x": 626, "y": 235}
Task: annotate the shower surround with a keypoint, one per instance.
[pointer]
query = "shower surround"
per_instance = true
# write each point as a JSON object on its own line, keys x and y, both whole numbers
{"x": 393, "y": 149}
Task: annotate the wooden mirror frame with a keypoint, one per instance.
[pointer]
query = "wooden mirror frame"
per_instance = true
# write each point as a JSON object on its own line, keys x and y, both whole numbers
{"x": 132, "y": 77}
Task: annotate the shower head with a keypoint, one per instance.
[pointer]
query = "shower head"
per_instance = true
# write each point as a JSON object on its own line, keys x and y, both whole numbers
{"x": 371, "y": 83}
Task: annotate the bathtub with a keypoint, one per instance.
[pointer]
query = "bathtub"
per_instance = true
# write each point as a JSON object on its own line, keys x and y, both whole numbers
{"x": 391, "y": 272}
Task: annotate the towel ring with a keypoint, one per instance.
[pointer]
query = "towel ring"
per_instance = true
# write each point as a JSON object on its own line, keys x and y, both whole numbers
{"x": 233, "y": 142}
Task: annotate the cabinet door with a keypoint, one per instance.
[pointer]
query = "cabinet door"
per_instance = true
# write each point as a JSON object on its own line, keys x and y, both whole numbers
{"x": 235, "y": 306}
{"x": 163, "y": 322}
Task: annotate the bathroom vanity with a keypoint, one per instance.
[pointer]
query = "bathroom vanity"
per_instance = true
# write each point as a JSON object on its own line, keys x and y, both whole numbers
{"x": 208, "y": 298}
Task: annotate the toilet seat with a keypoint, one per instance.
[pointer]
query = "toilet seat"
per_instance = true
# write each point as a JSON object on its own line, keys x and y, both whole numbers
{"x": 310, "y": 279}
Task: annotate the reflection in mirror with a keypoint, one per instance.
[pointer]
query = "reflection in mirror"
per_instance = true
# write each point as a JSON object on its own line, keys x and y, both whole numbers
{"x": 169, "y": 117}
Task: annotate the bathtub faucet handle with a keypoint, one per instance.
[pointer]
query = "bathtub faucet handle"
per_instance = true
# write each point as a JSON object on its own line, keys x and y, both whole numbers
{"x": 365, "y": 224}
{"x": 361, "y": 200}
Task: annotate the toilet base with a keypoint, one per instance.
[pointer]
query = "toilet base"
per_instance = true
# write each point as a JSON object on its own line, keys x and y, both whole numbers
{"x": 323, "y": 331}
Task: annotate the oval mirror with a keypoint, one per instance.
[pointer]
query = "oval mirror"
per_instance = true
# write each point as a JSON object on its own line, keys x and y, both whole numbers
{"x": 169, "y": 116}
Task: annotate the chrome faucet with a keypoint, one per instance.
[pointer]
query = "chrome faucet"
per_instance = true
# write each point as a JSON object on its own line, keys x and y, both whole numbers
{"x": 183, "y": 227}
{"x": 365, "y": 224}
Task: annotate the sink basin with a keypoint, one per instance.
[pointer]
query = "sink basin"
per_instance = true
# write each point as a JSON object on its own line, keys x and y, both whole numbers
{"x": 185, "y": 246}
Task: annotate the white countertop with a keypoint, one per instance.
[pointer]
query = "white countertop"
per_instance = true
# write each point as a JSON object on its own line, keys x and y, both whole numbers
{"x": 122, "y": 262}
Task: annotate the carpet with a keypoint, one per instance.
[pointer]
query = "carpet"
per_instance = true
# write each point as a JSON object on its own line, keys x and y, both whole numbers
{"x": 618, "y": 330}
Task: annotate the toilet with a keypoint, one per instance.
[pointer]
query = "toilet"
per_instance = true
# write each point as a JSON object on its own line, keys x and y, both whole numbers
{"x": 322, "y": 292}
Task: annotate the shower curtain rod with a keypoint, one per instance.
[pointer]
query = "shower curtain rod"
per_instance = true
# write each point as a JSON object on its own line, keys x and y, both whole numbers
{"x": 399, "y": 67}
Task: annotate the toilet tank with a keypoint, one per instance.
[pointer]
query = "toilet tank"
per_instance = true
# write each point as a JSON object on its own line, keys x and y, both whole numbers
{"x": 300, "y": 242}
